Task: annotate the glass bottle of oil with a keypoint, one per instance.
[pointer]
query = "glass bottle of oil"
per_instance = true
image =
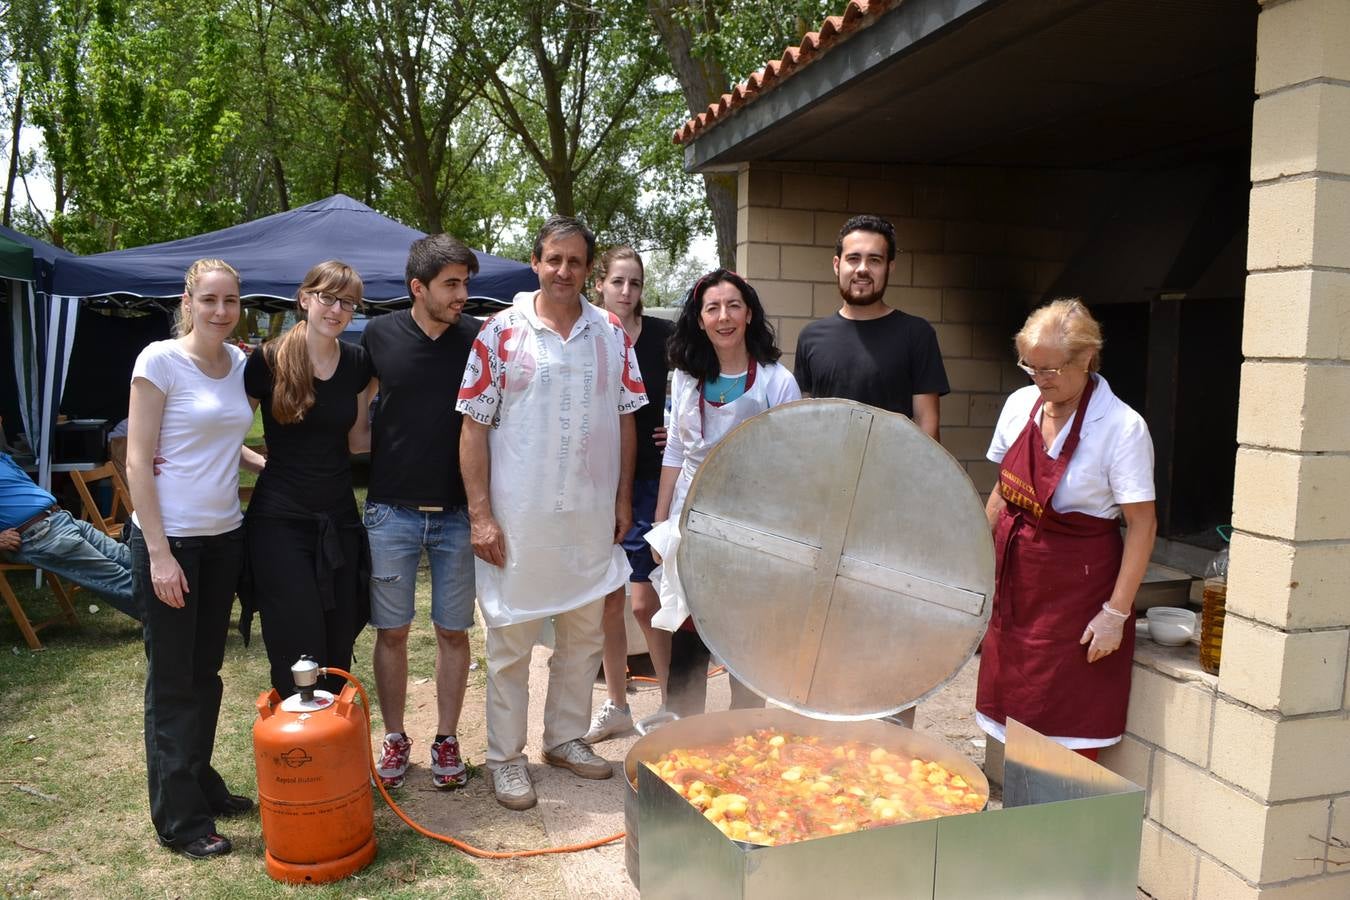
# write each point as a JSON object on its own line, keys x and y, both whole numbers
{"x": 1212, "y": 612}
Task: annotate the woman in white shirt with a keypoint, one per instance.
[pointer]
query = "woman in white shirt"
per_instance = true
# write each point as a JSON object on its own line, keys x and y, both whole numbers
{"x": 724, "y": 369}
{"x": 187, "y": 549}
{"x": 1073, "y": 461}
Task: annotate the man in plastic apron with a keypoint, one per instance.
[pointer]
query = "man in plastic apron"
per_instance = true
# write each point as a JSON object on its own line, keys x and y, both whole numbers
{"x": 547, "y": 453}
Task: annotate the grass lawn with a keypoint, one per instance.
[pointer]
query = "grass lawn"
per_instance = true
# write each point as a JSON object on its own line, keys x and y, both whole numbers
{"x": 74, "y": 816}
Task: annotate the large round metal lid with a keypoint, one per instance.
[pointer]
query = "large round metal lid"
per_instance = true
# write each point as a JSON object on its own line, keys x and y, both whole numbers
{"x": 836, "y": 559}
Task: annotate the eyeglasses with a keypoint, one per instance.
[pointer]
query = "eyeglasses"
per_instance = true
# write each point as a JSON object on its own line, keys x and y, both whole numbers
{"x": 328, "y": 299}
{"x": 1042, "y": 373}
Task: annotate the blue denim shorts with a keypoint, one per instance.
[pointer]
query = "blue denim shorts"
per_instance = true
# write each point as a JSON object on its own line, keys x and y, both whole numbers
{"x": 398, "y": 535}
{"x": 638, "y": 550}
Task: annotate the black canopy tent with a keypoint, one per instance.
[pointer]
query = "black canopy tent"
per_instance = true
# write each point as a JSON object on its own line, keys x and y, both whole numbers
{"x": 39, "y": 330}
{"x": 271, "y": 254}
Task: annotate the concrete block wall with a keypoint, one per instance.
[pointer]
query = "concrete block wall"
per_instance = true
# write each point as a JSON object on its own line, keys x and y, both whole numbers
{"x": 977, "y": 248}
{"x": 1249, "y": 773}
{"x": 1240, "y": 802}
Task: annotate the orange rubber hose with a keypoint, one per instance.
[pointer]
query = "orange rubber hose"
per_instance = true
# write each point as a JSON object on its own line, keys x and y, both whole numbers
{"x": 445, "y": 838}
{"x": 712, "y": 673}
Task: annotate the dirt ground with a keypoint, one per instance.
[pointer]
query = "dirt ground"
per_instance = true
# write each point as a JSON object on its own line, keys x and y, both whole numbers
{"x": 573, "y": 810}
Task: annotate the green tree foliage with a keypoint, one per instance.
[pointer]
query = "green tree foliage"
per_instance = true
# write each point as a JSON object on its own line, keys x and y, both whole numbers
{"x": 712, "y": 43}
{"x": 26, "y": 41}
{"x": 580, "y": 88}
{"x": 163, "y": 119}
{"x": 305, "y": 133}
{"x": 135, "y": 115}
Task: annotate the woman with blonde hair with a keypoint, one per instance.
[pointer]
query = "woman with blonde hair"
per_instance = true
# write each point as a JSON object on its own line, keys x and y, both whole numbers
{"x": 308, "y": 557}
{"x": 187, "y": 549}
{"x": 1074, "y": 460}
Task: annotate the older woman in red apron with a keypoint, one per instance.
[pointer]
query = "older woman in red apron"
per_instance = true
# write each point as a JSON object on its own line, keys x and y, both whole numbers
{"x": 1073, "y": 461}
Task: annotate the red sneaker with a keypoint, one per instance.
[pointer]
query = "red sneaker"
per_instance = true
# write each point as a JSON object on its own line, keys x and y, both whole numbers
{"x": 447, "y": 766}
{"x": 394, "y": 759}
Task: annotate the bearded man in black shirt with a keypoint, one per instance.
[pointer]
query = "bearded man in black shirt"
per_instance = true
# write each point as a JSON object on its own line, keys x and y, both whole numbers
{"x": 868, "y": 351}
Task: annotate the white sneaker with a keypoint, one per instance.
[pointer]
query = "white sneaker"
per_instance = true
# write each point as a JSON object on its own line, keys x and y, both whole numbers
{"x": 578, "y": 756}
{"x": 511, "y": 783}
{"x": 609, "y": 720}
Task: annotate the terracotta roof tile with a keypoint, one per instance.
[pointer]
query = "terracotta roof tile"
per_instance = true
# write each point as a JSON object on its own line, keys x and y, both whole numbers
{"x": 857, "y": 15}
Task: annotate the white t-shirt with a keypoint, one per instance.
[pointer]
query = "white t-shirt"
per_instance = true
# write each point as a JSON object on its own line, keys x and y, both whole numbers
{"x": 205, "y": 421}
{"x": 1114, "y": 460}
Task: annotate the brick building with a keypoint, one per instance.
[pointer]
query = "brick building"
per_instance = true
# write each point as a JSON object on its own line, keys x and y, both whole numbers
{"x": 1185, "y": 167}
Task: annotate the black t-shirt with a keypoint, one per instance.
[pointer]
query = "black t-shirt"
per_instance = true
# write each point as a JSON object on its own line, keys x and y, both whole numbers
{"x": 307, "y": 461}
{"x": 882, "y": 362}
{"x": 414, "y": 452}
{"x": 650, "y": 350}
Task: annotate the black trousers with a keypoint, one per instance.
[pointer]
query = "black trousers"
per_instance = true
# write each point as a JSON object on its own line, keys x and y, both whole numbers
{"x": 281, "y": 558}
{"x": 184, "y": 649}
{"x": 687, "y": 683}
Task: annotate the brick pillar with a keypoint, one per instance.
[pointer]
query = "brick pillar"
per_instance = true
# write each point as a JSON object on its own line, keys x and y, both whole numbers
{"x": 1281, "y": 736}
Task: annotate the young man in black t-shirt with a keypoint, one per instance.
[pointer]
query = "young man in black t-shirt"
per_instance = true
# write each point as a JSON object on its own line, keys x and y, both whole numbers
{"x": 868, "y": 351}
{"x": 416, "y": 497}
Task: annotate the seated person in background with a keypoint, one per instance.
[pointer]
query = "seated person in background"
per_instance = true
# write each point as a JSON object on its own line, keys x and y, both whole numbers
{"x": 36, "y": 531}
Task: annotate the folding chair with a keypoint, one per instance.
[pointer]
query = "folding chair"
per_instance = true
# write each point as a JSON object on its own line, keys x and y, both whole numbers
{"x": 30, "y": 629}
{"x": 111, "y": 524}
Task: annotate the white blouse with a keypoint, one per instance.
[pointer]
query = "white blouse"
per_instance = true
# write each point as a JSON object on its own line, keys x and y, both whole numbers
{"x": 1114, "y": 460}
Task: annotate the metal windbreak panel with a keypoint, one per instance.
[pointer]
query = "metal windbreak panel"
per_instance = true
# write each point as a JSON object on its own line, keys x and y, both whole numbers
{"x": 1037, "y": 769}
{"x": 837, "y": 559}
{"x": 892, "y": 862}
{"x": 682, "y": 855}
{"x": 1049, "y": 851}
{"x": 1069, "y": 828}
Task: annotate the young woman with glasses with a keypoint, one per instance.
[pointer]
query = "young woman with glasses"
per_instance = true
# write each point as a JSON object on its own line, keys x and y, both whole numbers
{"x": 308, "y": 558}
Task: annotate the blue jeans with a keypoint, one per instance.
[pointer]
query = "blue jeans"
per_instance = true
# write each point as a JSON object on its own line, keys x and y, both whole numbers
{"x": 398, "y": 535}
{"x": 77, "y": 551}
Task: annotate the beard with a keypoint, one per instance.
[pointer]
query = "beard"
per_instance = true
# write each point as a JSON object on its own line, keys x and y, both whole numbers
{"x": 874, "y": 296}
{"x": 445, "y": 314}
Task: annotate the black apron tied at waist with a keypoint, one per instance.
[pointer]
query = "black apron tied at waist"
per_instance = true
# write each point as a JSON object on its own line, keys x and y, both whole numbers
{"x": 329, "y": 556}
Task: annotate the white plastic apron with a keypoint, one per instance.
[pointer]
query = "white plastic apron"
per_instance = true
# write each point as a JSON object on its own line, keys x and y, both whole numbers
{"x": 699, "y": 433}
{"x": 555, "y": 472}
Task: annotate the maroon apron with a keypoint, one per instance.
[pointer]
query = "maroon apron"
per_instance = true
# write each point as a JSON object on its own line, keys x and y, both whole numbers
{"x": 1053, "y": 573}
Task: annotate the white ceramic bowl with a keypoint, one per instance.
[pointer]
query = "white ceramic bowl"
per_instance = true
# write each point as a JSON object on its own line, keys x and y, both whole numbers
{"x": 1170, "y": 626}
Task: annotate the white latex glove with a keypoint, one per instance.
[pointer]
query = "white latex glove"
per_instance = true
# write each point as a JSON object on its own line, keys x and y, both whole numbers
{"x": 1105, "y": 631}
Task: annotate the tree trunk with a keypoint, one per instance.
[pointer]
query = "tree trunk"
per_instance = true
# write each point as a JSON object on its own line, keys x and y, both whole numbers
{"x": 13, "y": 175}
{"x": 720, "y": 188}
{"x": 702, "y": 80}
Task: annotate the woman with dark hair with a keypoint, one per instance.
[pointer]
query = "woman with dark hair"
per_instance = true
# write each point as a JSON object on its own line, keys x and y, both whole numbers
{"x": 724, "y": 365}
{"x": 307, "y": 552}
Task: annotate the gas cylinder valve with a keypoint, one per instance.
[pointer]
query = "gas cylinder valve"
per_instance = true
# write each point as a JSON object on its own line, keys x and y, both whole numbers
{"x": 305, "y": 674}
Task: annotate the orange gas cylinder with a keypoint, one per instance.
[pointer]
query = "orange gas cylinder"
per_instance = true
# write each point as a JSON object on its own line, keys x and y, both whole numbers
{"x": 312, "y": 751}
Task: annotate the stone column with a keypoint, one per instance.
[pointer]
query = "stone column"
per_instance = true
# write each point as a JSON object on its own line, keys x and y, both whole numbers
{"x": 1281, "y": 736}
